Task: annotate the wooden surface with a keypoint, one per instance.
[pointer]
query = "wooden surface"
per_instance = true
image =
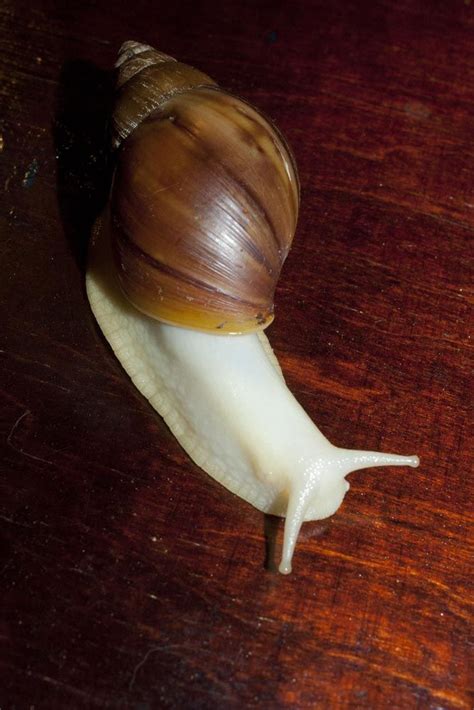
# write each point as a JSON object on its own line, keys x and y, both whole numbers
{"x": 129, "y": 578}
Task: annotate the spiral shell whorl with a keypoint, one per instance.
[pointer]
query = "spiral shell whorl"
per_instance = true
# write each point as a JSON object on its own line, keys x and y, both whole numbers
{"x": 133, "y": 57}
{"x": 146, "y": 79}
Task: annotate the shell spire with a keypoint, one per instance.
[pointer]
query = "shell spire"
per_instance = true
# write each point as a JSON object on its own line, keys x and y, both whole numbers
{"x": 146, "y": 79}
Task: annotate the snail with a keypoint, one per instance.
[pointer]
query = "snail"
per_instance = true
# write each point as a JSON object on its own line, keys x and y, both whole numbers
{"x": 182, "y": 270}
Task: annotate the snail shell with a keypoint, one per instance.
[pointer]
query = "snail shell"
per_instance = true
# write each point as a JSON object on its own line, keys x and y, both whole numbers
{"x": 201, "y": 216}
{"x": 205, "y": 198}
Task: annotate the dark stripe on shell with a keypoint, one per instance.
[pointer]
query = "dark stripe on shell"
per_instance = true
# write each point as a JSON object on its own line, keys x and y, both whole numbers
{"x": 171, "y": 271}
{"x": 252, "y": 198}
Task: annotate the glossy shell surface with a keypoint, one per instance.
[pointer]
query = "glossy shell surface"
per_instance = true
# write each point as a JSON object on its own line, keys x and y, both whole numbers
{"x": 203, "y": 209}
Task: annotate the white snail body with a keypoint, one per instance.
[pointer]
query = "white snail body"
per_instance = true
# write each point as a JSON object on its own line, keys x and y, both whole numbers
{"x": 222, "y": 395}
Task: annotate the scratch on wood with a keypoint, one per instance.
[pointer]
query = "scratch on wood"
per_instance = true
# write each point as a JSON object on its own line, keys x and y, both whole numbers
{"x": 60, "y": 684}
{"x": 11, "y": 444}
{"x": 141, "y": 663}
{"x": 15, "y": 426}
{"x": 6, "y": 519}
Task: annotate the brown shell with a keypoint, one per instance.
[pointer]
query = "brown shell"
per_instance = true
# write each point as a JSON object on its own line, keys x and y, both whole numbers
{"x": 204, "y": 201}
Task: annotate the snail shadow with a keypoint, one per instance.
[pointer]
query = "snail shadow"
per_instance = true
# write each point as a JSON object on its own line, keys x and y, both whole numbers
{"x": 271, "y": 526}
{"x": 80, "y": 131}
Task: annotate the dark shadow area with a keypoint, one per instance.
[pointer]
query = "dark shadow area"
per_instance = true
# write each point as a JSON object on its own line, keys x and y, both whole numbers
{"x": 80, "y": 130}
{"x": 271, "y": 524}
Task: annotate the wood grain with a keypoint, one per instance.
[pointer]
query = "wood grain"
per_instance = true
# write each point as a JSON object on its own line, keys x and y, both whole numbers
{"x": 132, "y": 580}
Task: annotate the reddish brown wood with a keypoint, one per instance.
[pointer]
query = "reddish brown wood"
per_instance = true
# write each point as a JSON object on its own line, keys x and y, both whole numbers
{"x": 131, "y": 579}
